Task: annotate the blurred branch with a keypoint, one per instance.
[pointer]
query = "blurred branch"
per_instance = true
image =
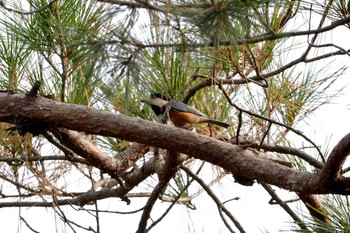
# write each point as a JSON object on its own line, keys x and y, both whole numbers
{"x": 252, "y": 40}
{"x": 175, "y": 200}
{"x": 2, "y": 4}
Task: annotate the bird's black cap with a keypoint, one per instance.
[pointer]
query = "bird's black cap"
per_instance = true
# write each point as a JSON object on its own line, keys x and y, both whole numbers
{"x": 158, "y": 95}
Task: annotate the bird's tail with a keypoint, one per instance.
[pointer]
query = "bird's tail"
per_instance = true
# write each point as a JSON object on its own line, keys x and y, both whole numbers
{"x": 216, "y": 122}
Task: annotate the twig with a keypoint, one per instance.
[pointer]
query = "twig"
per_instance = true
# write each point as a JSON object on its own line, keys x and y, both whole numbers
{"x": 298, "y": 132}
{"x": 284, "y": 150}
{"x": 284, "y": 205}
{"x": 169, "y": 171}
{"x": 173, "y": 202}
{"x": 35, "y": 158}
{"x": 220, "y": 206}
{"x": 63, "y": 217}
{"x": 149, "y": 205}
{"x": 27, "y": 224}
{"x": 109, "y": 211}
{"x": 61, "y": 214}
{"x": 239, "y": 126}
{"x": 35, "y": 89}
{"x": 192, "y": 91}
{"x": 2, "y": 4}
{"x": 252, "y": 40}
{"x": 265, "y": 133}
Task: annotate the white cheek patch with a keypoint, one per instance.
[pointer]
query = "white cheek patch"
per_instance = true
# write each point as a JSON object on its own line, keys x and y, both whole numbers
{"x": 159, "y": 102}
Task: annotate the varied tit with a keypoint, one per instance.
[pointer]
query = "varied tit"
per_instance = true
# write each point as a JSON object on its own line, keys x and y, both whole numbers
{"x": 180, "y": 114}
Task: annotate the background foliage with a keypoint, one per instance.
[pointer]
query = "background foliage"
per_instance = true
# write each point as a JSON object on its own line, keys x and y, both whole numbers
{"x": 239, "y": 61}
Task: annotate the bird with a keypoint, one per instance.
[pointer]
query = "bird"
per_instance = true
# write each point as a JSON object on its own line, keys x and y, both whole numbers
{"x": 180, "y": 114}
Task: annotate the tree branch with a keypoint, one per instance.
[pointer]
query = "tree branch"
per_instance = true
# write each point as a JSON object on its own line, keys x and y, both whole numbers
{"x": 284, "y": 205}
{"x": 220, "y": 206}
{"x": 248, "y": 163}
{"x": 131, "y": 180}
{"x": 331, "y": 172}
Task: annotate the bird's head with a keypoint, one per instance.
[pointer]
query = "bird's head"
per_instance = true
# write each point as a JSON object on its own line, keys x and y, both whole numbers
{"x": 157, "y": 101}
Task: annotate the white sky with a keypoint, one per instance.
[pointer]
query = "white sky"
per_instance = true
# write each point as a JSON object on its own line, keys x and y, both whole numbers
{"x": 252, "y": 209}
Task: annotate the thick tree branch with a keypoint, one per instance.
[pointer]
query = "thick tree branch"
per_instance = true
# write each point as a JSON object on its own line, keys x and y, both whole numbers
{"x": 331, "y": 172}
{"x": 248, "y": 163}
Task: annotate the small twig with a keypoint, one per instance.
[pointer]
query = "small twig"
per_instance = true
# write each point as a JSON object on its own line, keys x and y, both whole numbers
{"x": 192, "y": 91}
{"x": 232, "y": 199}
{"x": 70, "y": 223}
{"x": 284, "y": 150}
{"x": 173, "y": 203}
{"x": 61, "y": 214}
{"x": 239, "y": 126}
{"x": 96, "y": 215}
{"x": 265, "y": 133}
{"x": 220, "y": 206}
{"x": 331, "y": 45}
{"x": 67, "y": 152}
{"x": 27, "y": 224}
{"x": 39, "y": 158}
{"x": 35, "y": 89}
{"x": 284, "y": 205}
{"x": 108, "y": 211}
{"x": 263, "y": 84}
{"x": 2, "y": 4}
{"x": 149, "y": 205}
{"x": 170, "y": 168}
{"x": 298, "y": 132}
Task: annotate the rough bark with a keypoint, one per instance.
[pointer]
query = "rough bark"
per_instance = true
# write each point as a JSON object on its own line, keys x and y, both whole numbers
{"x": 16, "y": 108}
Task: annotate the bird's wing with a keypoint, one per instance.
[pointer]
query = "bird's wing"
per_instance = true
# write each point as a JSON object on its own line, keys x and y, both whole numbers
{"x": 181, "y": 107}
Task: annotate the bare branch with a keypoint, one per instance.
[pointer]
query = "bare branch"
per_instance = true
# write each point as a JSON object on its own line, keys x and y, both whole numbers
{"x": 27, "y": 13}
{"x": 172, "y": 161}
{"x": 27, "y": 224}
{"x": 284, "y": 205}
{"x": 81, "y": 199}
{"x": 23, "y": 159}
{"x": 297, "y": 132}
{"x": 220, "y": 206}
{"x": 284, "y": 150}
